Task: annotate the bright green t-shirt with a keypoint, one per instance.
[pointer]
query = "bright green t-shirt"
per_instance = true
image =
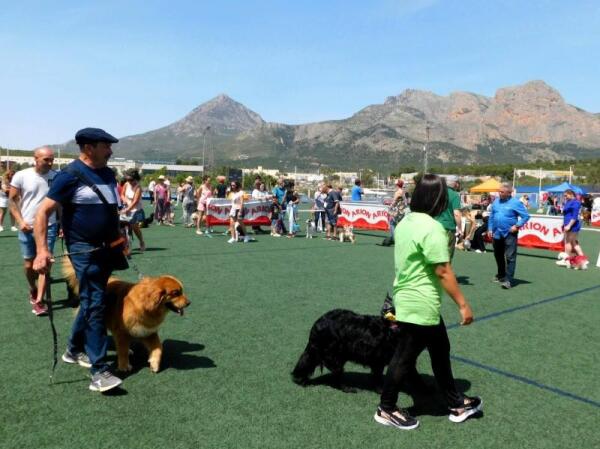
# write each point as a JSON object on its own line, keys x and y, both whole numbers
{"x": 421, "y": 243}
{"x": 446, "y": 218}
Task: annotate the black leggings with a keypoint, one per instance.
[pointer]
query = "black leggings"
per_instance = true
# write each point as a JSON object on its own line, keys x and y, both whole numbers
{"x": 413, "y": 340}
{"x": 478, "y": 242}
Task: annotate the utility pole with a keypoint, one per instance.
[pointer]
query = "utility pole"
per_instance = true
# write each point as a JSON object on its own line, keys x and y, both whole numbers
{"x": 425, "y": 149}
{"x": 204, "y": 148}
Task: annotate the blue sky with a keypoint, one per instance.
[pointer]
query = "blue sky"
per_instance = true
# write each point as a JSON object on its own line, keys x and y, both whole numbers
{"x": 133, "y": 66}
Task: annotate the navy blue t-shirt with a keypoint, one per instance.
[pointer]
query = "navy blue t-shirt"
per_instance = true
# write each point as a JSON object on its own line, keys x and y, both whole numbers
{"x": 85, "y": 218}
{"x": 334, "y": 196}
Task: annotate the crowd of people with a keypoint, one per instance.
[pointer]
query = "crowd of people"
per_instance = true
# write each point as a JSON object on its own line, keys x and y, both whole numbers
{"x": 95, "y": 211}
{"x": 283, "y": 214}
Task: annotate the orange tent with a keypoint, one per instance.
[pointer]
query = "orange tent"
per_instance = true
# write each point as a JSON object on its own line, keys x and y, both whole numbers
{"x": 491, "y": 185}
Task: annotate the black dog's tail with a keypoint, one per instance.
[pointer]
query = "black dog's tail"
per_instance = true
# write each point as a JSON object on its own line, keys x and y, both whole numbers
{"x": 306, "y": 365}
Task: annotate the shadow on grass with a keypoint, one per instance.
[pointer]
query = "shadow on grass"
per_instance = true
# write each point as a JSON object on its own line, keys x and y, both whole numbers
{"x": 176, "y": 355}
{"x": 520, "y": 281}
{"x": 425, "y": 395}
{"x": 118, "y": 391}
{"x": 427, "y": 399}
{"x": 463, "y": 280}
{"x": 74, "y": 381}
{"x": 537, "y": 256}
{"x": 64, "y": 304}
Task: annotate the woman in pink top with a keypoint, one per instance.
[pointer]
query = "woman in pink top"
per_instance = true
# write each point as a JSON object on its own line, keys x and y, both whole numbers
{"x": 132, "y": 199}
{"x": 161, "y": 198}
{"x": 203, "y": 193}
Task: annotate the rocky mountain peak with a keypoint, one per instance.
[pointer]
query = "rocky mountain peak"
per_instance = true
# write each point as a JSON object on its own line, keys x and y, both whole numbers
{"x": 531, "y": 91}
{"x": 221, "y": 113}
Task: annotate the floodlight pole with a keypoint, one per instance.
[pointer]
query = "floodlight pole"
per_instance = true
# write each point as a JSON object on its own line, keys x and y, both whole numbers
{"x": 207, "y": 129}
{"x": 540, "y": 189}
{"x": 570, "y": 174}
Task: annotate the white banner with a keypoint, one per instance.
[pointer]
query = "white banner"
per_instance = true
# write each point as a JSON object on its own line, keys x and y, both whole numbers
{"x": 255, "y": 212}
{"x": 543, "y": 231}
{"x": 364, "y": 215}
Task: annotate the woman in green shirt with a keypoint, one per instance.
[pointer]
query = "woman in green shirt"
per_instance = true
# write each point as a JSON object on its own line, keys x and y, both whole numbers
{"x": 422, "y": 270}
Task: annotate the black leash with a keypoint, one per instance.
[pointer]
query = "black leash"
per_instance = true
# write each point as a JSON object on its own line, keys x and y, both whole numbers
{"x": 51, "y": 311}
{"x": 51, "y": 319}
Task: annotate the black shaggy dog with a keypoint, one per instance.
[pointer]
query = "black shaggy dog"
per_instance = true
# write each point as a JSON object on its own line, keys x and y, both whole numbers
{"x": 342, "y": 336}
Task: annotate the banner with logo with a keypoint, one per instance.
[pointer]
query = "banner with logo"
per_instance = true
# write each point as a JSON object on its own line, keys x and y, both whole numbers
{"x": 543, "y": 231}
{"x": 364, "y": 215}
{"x": 256, "y": 212}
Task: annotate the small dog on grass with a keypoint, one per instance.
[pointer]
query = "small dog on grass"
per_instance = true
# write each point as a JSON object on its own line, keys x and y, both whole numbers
{"x": 347, "y": 234}
{"x": 341, "y": 336}
{"x": 574, "y": 262}
{"x": 311, "y": 229}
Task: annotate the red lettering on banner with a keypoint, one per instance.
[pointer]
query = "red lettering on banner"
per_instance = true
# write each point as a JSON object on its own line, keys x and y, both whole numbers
{"x": 557, "y": 231}
{"x": 536, "y": 226}
{"x": 361, "y": 212}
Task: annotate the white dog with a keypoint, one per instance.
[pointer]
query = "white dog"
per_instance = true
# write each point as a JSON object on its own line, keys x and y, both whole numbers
{"x": 311, "y": 229}
{"x": 347, "y": 233}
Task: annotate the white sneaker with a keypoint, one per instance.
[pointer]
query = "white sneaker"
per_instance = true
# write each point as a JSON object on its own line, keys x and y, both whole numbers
{"x": 14, "y": 228}
{"x": 206, "y": 232}
{"x": 246, "y": 239}
{"x": 562, "y": 263}
{"x": 231, "y": 240}
{"x": 1, "y": 228}
{"x": 478, "y": 251}
{"x": 199, "y": 232}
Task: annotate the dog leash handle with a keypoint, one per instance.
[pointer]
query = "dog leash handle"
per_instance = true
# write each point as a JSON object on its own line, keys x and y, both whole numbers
{"x": 48, "y": 290}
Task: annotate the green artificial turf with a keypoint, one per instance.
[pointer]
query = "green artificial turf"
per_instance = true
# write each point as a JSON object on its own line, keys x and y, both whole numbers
{"x": 225, "y": 380}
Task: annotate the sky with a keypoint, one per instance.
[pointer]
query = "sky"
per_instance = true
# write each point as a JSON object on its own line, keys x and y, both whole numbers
{"x": 132, "y": 66}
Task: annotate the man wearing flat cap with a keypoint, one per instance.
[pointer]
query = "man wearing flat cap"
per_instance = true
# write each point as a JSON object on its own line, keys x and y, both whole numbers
{"x": 90, "y": 223}
{"x": 450, "y": 218}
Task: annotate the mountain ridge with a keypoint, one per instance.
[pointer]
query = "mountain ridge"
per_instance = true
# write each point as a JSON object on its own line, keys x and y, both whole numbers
{"x": 519, "y": 123}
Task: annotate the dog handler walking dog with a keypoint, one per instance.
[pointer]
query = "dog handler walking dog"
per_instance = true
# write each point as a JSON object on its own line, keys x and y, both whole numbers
{"x": 422, "y": 269}
{"x": 89, "y": 225}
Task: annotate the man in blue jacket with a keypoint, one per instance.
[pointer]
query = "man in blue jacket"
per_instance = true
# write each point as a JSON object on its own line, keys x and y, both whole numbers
{"x": 507, "y": 216}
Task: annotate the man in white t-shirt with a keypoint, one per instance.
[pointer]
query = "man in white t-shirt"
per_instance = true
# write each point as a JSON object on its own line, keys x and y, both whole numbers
{"x": 151, "y": 190}
{"x": 27, "y": 190}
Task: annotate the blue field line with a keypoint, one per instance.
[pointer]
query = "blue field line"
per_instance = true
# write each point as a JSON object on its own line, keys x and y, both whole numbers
{"x": 527, "y": 306}
{"x": 527, "y": 381}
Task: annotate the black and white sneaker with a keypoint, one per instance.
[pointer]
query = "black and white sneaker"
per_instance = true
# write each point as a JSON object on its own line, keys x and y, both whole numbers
{"x": 399, "y": 419}
{"x": 104, "y": 381}
{"x": 472, "y": 405}
{"x": 80, "y": 358}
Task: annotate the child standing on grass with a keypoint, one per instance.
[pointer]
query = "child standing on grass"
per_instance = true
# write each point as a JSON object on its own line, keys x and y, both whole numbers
{"x": 292, "y": 212}
{"x": 236, "y": 216}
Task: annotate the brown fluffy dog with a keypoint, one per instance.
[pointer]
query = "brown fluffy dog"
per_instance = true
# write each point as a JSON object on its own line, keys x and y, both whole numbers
{"x": 136, "y": 311}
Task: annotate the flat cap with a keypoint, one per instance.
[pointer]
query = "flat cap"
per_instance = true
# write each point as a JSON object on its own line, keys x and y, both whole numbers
{"x": 92, "y": 135}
